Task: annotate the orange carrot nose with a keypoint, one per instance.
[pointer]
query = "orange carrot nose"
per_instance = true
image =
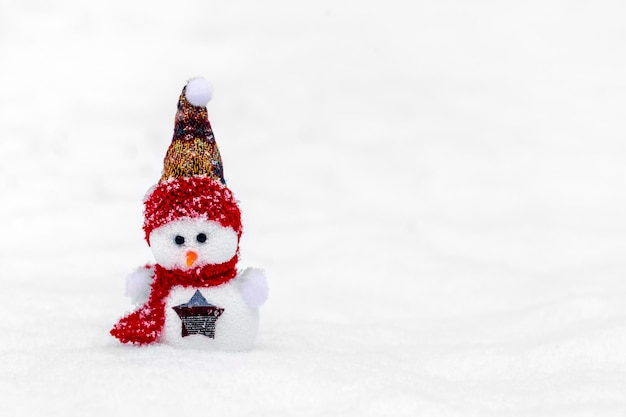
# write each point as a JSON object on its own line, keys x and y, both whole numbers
{"x": 191, "y": 258}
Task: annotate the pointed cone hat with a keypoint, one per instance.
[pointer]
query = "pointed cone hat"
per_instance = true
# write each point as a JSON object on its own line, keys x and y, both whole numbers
{"x": 192, "y": 183}
{"x": 193, "y": 151}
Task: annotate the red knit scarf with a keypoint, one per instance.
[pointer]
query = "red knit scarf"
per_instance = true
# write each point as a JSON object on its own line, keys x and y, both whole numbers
{"x": 145, "y": 324}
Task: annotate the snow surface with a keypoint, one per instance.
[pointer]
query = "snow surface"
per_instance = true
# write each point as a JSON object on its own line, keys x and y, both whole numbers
{"x": 435, "y": 189}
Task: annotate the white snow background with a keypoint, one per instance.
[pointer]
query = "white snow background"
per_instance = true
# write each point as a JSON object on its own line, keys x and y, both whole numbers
{"x": 435, "y": 189}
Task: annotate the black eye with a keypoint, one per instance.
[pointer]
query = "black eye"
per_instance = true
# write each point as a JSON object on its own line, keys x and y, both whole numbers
{"x": 201, "y": 238}
{"x": 179, "y": 240}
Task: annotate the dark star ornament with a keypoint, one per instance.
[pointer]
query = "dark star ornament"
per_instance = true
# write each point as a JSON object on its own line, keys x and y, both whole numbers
{"x": 198, "y": 316}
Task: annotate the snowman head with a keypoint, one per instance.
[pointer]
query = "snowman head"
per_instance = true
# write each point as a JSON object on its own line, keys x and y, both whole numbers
{"x": 189, "y": 243}
{"x": 192, "y": 222}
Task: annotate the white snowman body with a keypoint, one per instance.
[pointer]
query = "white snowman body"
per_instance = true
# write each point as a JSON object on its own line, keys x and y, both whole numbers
{"x": 190, "y": 243}
{"x": 235, "y": 329}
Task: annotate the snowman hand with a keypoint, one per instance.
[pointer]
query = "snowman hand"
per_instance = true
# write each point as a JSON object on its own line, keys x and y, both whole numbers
{"x": 253, "y": 286}
{"x": 138, "y": 284}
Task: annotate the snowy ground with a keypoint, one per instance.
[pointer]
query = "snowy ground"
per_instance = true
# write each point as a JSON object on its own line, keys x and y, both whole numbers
{"x": 436, "y": 190}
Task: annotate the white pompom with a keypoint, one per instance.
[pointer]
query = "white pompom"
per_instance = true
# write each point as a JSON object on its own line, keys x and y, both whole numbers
{"x": 198, "y": 92}
{"x": 253, "y": 285}
{"x": 138, "y": 284}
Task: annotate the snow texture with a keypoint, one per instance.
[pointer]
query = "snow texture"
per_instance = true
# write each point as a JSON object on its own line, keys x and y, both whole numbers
{"x": 449, "y": 242}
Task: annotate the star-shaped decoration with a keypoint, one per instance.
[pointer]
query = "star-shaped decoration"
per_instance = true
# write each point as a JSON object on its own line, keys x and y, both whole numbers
{"x": 198, "y": 316}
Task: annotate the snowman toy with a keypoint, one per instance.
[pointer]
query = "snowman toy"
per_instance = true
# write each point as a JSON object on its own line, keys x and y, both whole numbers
{"x": 193, "y": 296}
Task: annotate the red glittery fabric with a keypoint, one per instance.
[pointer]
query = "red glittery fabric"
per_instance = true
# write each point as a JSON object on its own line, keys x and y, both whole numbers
{"x": 144, "y": 325}
{"x": 191, "y": 197}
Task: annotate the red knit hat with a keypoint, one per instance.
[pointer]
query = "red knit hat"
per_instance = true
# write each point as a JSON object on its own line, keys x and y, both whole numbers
{"x": 192, "y": 183}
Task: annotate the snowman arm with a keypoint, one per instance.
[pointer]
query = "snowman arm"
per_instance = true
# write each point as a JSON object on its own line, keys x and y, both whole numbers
{"x": 138, "y": 284}
{"x": 253, "y": 286}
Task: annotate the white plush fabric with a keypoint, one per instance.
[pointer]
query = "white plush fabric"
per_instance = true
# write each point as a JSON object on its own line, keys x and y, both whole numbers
{"x": 253, "y": 285}
{"x": 220, "y": 246}
{"x": 198, "y": 92}
{"x": 235, "y": 329}
{"x": 138, "y": 285}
